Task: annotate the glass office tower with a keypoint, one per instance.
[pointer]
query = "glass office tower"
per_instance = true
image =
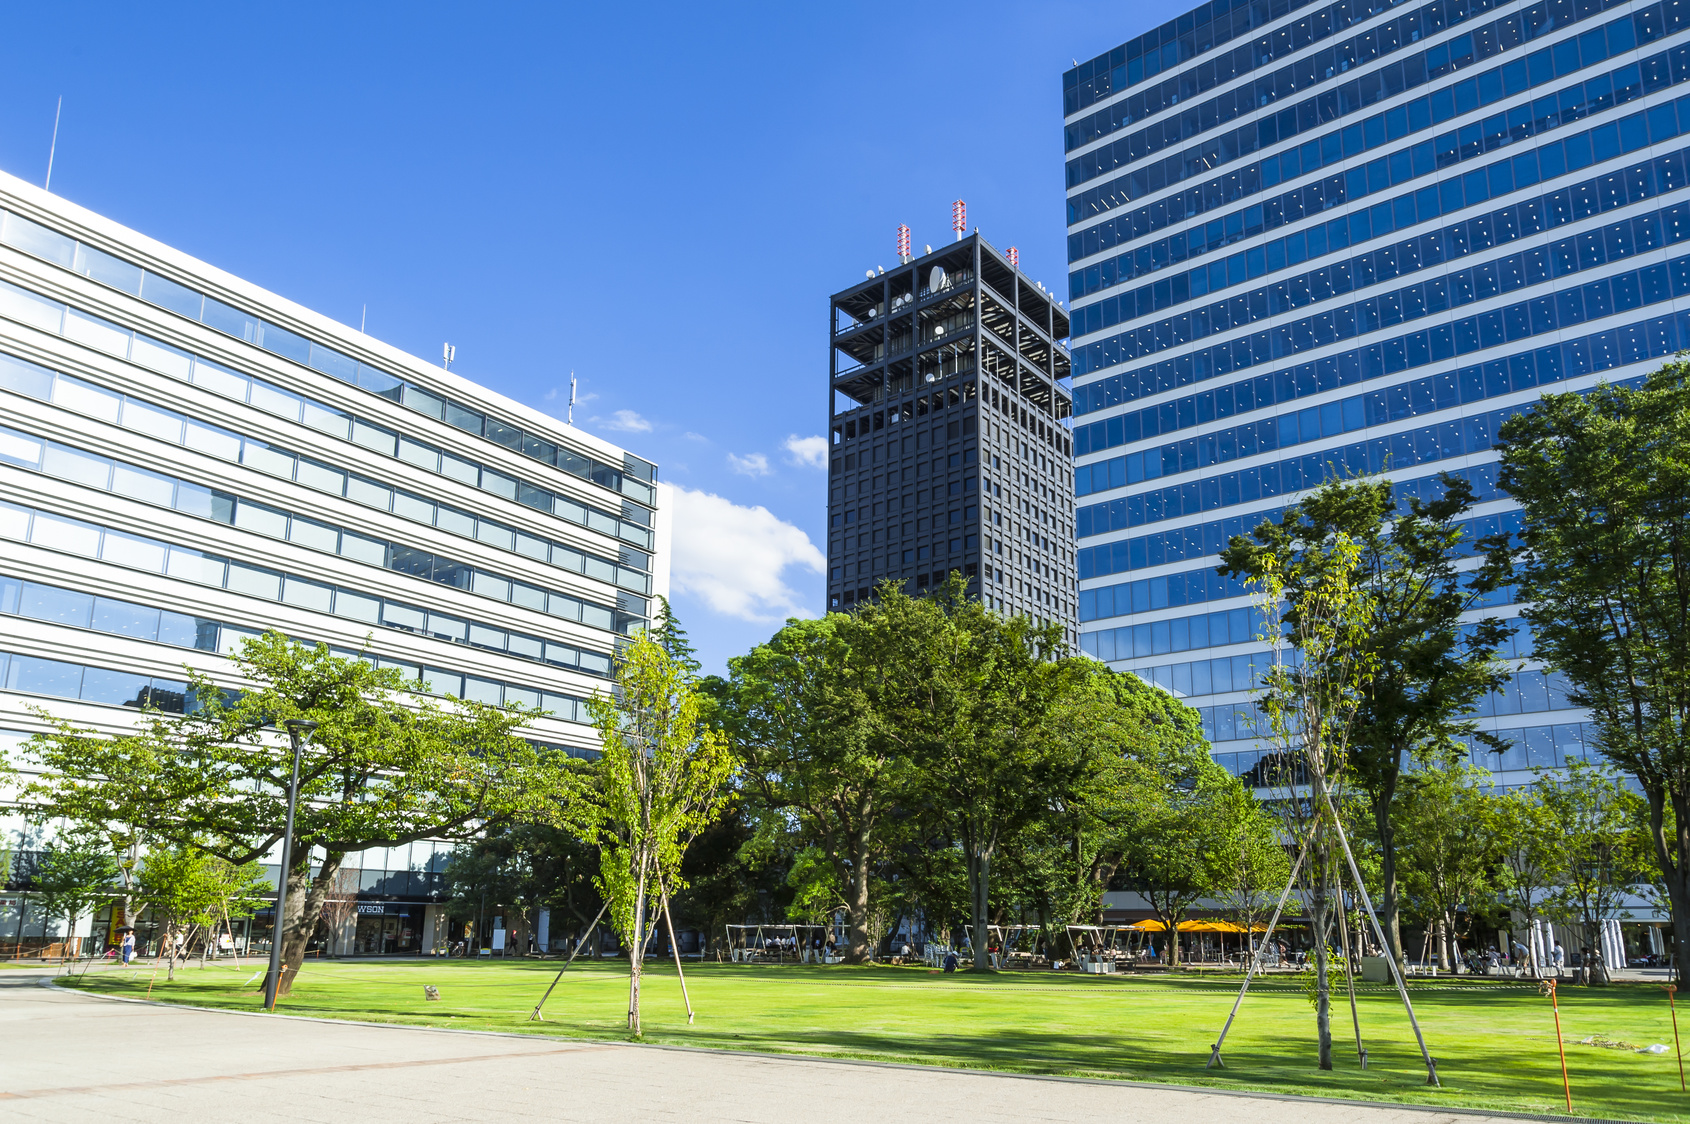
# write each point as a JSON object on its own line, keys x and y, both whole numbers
{"x": 1309, "y": 237}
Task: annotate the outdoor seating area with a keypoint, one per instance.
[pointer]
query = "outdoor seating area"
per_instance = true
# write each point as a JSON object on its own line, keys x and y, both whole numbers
{"x": 781, "y": 944}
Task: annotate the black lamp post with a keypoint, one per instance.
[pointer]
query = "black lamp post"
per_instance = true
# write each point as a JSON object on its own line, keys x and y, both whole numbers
{"x": 299, "y": 732}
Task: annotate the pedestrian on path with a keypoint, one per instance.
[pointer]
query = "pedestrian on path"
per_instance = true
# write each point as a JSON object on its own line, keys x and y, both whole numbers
{"x": 128, "y": 947}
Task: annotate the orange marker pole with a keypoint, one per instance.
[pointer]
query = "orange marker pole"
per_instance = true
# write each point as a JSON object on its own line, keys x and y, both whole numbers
{"x": 1548, "y": 988}
{"x": 1673, "y": 1007}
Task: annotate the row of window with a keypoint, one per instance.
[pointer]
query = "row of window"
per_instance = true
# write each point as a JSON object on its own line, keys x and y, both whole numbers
{"x": 1529, "y": 747}
{"x": 90, "y": 540}
{"x": 1179, "y": 40}
{"x": 1420, "y": 446}
{"x": 61, "y": 679}
{"x": 1527, "y": 119}
{"x": 1213, "y": 71}
{"x": 1499, "y": 227}
{"x": 1425, "y": 396}
{"x": 1266, "y": 127}
{"x": 1267, "y": 130}
{"x": 1566, "y": 308}
{"x": 1149, "y": 256}
{"x": 1600, "y": 351}
{"x": 58, "y": 605}
{"x": 103, "y": 335}
{"x": 632, "y": 479}
{"x": 1599, "y": 144}
{"x": 1469, "y": 142}
{"x": 167, "y": 425}
{"x": 1201, "y": 540}
{"x": 91, "y": 470}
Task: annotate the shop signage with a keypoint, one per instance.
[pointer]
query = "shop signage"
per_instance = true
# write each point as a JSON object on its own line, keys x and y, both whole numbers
{"x": 377, "y": 907}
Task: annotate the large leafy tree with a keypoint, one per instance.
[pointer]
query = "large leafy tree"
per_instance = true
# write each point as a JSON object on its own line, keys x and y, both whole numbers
{"x": 1603, "y": 569}
{"x": 1426, "y": 666}
{"x": 1599, "y": 825}
{"x": 1449, "y": 849}
{"x": 385, "y": 767}
{"x": 77, "y": 873}
{"x": 975, "y": 694}
{"x": 806, "y": 715}
{"x": 661, "y": 780}
{"x": 516, "y": 870}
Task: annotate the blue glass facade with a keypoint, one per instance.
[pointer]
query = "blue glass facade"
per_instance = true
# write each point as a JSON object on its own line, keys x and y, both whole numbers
{"x": 1360, "y": 250}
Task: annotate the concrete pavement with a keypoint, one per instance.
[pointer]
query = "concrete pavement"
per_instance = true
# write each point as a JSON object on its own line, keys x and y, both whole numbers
{"x": 68, "y": 1058}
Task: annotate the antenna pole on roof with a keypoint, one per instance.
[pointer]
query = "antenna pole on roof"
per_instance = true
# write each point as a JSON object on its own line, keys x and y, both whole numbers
{"x": 363, "y": 317}
{"x": 52, "y": 149}
{"x": 447, "y": 354}
{"x": 571, "y": 419}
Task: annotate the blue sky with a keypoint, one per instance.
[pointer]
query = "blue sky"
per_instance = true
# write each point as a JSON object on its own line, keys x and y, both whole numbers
{"x": 659, "y": 197}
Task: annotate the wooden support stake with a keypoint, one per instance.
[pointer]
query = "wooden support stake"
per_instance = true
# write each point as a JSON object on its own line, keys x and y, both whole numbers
{"x": 1673, "y": 1007}
{"x": 1548, "y": 989}
{"x": 535, "y": 1015}
{"x": 669, "y": 923}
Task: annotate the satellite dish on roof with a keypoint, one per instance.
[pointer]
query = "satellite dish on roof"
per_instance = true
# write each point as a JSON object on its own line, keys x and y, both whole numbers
{"x": 936, "y": 279}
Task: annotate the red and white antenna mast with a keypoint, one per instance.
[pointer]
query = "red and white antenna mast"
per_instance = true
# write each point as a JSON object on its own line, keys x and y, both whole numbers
{"x": 903, "y": 242}
{"x": 1015, "y": 257}
{"x": 959, "y": 218}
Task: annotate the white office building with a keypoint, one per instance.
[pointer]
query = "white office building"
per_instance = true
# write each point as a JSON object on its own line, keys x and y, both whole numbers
{"x": 187, "y": 460}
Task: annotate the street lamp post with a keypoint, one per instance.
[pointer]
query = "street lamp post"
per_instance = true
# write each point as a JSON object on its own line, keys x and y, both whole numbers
{"x": 299, "y": 732}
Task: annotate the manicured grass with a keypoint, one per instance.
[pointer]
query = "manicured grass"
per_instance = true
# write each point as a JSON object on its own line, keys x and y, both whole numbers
{"x": 1494, "y": 1042}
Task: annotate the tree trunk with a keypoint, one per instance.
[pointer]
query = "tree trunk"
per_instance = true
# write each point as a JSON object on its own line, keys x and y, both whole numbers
{"x": 305, "y": 904}
{"x": 1674, "y": 875}
{"x": 979, "y": 879}
{"x": 1322, "y": 978}
{"x": 1390, "y": 911}
{"x": 636, "y": 955}
{"x": 857, "y": 949}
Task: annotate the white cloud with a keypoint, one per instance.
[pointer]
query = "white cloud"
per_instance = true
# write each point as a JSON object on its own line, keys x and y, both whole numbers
{"x": 691, "y": 436}
{"x": 811, "y": 452}
{"x": 625, "y": 421}
{"x": 752, "y": 464}
{"x": 735, "y": 557}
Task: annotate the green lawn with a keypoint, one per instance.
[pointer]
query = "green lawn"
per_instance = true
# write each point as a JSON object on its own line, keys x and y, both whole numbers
{"x": 1495, "y": 1043}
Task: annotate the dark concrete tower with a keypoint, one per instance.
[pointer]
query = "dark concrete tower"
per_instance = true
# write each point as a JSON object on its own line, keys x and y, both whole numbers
{"x": 950, "y": 441}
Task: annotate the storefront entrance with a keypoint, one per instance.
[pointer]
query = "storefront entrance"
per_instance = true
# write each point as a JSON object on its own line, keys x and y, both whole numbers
{"x": 394, "y": 929}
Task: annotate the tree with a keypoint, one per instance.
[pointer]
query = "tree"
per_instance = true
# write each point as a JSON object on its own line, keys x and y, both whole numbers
{"x": 515, "y": 870}
{"x": 1532, "y": 858}
{"x": 807, "y": 715}
{"x": 1185, "y": 842}
{"x": 191, "y": 893}
{"x": 1603, "y": 480}
{"x": 1599, "y": 825}
{"x": 385, "y": 767}
{"x": 76, "y": 874}
{"x": 1258, "y": 872}
{"x": 1427, "y": 668}
{"x": 974, "y": 693}
{"x": 1449, "y": 854}
{"x": 1313, "y": 597}
{"x": 662, "y": 779}
{"x": 672, "y": 638}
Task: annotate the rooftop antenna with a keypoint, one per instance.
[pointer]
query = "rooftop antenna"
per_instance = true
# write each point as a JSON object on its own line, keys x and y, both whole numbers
{"x": 903, "y": 243}
{"x": 447, "y": 354}
{"x": 571, "y": 419}
{"x": 364, "y": 316}
{"x": 52, "y": 149}
{"x": 1015, "y": 257}
{"x": 959, "y": 218}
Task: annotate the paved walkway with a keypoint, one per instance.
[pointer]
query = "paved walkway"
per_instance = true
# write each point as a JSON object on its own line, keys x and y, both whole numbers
{"x": 68, "y": 1058}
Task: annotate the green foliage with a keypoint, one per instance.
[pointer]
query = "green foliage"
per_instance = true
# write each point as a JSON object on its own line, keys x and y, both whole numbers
{"x": 1603, "y": 478}
{"x": 76, "y": 873}
{"x": 1602, "y": 830}
{"x": 662, "y": 779}
{"x": 385, "y": 767}
{"x": 1446, "y": 833}
{"x": 1417, "y": 667}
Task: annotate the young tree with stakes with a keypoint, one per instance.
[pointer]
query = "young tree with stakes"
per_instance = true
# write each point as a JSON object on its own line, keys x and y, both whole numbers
{"x": 662, "y": 779}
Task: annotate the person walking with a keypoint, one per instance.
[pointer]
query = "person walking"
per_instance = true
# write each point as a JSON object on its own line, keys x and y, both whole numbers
{"x": 1558, "y": 959}
{"x": 128, "y": 946}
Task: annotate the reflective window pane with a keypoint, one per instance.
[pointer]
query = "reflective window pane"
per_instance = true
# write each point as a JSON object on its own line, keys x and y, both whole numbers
{"x": 125, "y": 618}
{"x": 113, "y": 688}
